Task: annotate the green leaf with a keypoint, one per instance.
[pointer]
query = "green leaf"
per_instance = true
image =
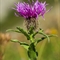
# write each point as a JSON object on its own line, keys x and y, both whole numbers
{"x": 52, "y": 35}
{"x": 14, "y": 40}
{"x": 11, "y": 30}
{"x": 24, "y": 32}
{"x": 34, "y": 34}
{"x": 24, "y": 44}
{"x": 41, "y": 32}
{"x": 41, "y": 39}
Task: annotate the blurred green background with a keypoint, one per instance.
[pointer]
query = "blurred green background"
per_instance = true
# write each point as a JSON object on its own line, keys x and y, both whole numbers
{"x": 47, "y": 51}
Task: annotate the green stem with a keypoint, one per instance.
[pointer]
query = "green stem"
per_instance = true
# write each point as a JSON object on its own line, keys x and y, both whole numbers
{"x": 31, "y": 38}
{"x": 32, "y": 53}
{"x": 32, "y": 59}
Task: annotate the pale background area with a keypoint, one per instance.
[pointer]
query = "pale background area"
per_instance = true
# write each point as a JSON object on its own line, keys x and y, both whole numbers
{"x": 13, "y": 51}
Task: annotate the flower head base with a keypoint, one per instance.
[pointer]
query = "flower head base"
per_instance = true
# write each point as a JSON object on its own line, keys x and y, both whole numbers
{"x": 31, "y": 23}
{"x": 29, "y": 11}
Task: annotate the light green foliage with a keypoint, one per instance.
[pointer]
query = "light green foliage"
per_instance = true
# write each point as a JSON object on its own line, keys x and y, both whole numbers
{"x": 30, "y": 35}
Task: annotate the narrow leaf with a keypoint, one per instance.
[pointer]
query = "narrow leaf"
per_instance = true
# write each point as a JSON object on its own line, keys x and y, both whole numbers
{"x": 14, "y": 40}
{"x": 11, "y": 30}
{"x": 35, "y": 34}
{"x": 42, "y": 33}
{"x": 41, "y": 39}
{"x": 24, "y": 32}
{"x": 24, "y": 44}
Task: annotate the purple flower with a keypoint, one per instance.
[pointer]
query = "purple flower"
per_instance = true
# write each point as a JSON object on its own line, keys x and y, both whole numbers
{"x": 33, "y": 10}
{"x": 40, "y": 8}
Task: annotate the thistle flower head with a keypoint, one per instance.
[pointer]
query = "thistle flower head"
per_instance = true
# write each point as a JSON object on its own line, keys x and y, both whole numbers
{"x": 33, "y": 10}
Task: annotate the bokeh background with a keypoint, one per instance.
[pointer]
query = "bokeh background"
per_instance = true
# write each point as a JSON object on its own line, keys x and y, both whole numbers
{"x": 13, "y": 51}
